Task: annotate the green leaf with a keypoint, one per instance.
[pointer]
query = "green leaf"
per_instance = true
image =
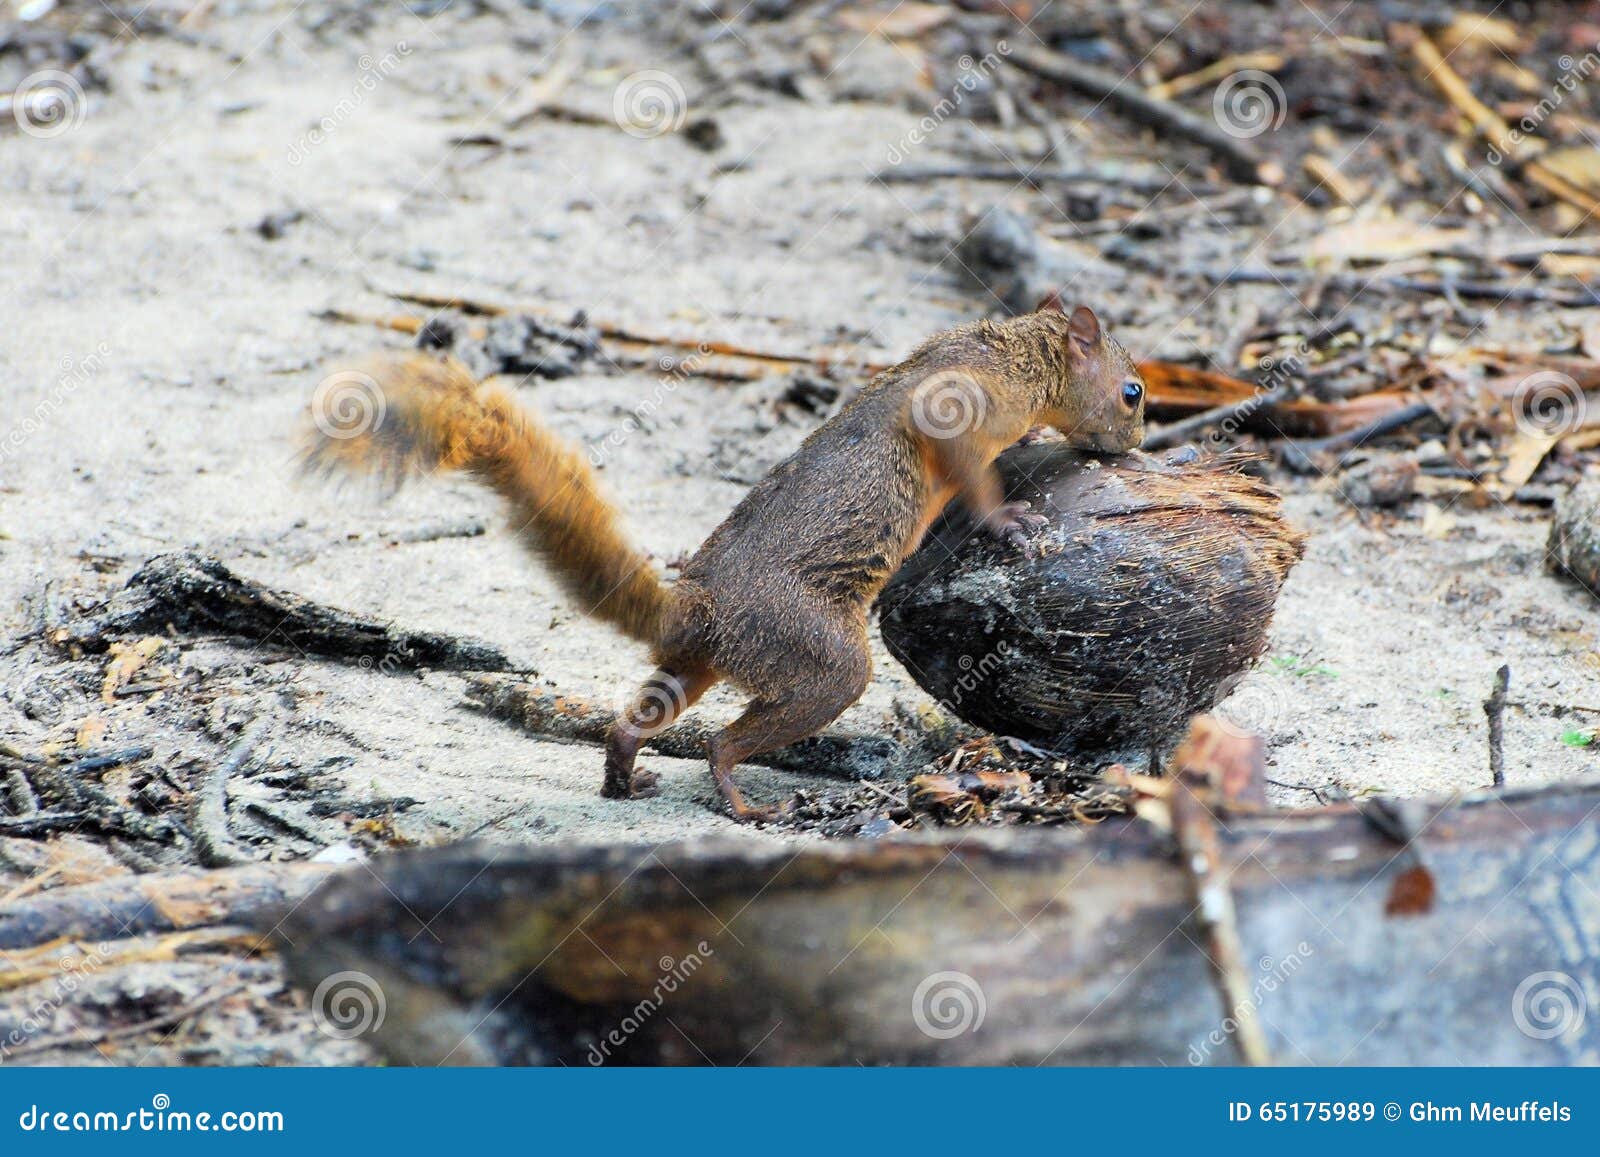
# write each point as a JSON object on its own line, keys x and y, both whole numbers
{"x": 1577, "y": 738}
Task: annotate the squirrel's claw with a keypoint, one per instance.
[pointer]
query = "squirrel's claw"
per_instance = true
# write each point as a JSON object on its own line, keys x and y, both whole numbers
{"x": 1039, "y": 434}
{"x": 1020, "y": 542}
{"x": 1014, "y": 523}
{"x": 639, "y": 785}
{"x": 767, "y": 814}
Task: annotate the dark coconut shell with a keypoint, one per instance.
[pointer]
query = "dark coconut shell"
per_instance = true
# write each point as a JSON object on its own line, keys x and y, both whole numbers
{"x": 1151, "y": 594}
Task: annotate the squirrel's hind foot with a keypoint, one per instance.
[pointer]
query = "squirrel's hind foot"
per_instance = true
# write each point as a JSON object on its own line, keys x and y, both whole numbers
{"x": 640, "y": 785}
{"x": 745, "y": 813}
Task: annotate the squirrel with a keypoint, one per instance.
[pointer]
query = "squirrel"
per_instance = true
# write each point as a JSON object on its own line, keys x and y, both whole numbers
{"x": 776, "y": 600}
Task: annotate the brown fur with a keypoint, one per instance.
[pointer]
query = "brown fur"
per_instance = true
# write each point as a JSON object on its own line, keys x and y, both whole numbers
{"x": 776, "y": 600}
{"x": 435, "y": 418}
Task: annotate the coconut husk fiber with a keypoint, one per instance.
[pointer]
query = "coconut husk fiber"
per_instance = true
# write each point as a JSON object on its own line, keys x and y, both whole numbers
{"x": 1147, "y": 595}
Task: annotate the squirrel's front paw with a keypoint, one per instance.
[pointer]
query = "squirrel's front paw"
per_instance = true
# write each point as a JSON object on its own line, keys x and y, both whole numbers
{"x": 1040, "y": 434}
{"x": 1014, "y": 523}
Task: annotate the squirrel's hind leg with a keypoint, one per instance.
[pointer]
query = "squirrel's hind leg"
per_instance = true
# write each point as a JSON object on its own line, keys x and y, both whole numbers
{"x": 665, "y": 695}
{"x": 768, "y": 724}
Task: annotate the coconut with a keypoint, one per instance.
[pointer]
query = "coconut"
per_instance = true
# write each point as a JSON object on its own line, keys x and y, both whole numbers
{"x": 1144, "y": 599}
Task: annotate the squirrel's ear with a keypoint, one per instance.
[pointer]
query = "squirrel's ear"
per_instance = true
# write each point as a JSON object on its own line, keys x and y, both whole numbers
{"x": 1084, "y": 325}
{"x": 1050, "y": 302}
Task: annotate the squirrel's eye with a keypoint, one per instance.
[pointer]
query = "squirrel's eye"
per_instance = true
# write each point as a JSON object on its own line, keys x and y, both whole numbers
{"x": 1131, "y": 393}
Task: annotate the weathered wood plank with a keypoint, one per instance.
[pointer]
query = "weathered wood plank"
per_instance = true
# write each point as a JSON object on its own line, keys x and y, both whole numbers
{"x": 1079, "y": 946}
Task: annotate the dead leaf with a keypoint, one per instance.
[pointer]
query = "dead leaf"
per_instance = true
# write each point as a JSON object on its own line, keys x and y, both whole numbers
{"x": 1470, "y": 30}
{"x": 1430, "y": 487}
{"x": 1582, "y": 266}
{"x": 961, "y": 798}
{"x": 1527, "y": 451}
{"x": 1217, "y": 70}
{"x": 1327, "y": 175}
{"x": 186, "y": 912}
{"x": 90, "y": 731}
{"x": 1436, "y": 524}
{"x": 905, "y": 22}
{"x": 1411, "y": 894}
{"x": 126, "y": 661}
{"x": 1383, "y": 239}
{"x": 1578, "y": 165}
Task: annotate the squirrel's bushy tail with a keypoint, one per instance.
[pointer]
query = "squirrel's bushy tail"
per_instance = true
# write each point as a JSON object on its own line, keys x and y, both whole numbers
{"x": 401, "y": 417}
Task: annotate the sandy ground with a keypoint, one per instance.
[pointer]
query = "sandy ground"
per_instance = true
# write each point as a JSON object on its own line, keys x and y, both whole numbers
{"x": 159, "y": 350}
{"x": 137, "y": 265}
